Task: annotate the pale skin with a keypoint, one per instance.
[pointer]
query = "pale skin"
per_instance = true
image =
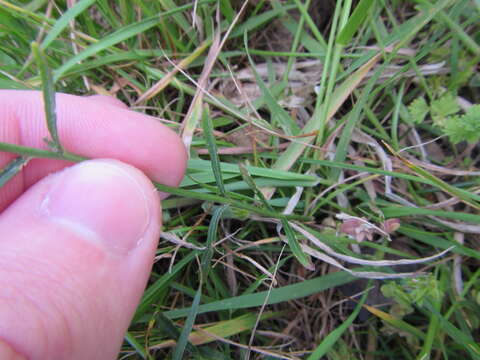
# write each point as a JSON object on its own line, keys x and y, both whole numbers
{"x": 77, "y": 241}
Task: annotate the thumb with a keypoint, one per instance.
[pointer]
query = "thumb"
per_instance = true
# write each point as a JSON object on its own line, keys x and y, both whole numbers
{"x": 75, "y": 254}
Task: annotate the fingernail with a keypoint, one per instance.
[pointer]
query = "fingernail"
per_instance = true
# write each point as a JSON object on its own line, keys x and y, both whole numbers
{"x": 102, "y": 201}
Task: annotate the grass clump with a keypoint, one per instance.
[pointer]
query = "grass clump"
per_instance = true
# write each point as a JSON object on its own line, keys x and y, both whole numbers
{"x": 321, "y": 134}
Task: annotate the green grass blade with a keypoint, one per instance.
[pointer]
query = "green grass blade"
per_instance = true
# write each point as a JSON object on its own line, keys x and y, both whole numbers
{"x": 153, "y": 292}
{"x": 106, "y": 42}
{"x": 222, "y": 329}
{"x": 211, "y": 238}
{"x": 257, "y": 21}
{"x": 251, "y": 184}
{"x": 277, "y": 112}
{"x": 332, "y": 338}
{"x": 48, "y": 91}
{"x": 39, "y": 153}
{"x": 291, "y": 237}
{"x": 187, "y": 327}
{"x": 401, "y": 211}
{"x": 395, "y": 322}
{"x": 275, "y": 296}
{"x": 469, "y": 43}
{"x": 64, "y": 20}
{"x": 294, "y": 246}
{"x": 12, "y": 169}
{"x": 212, "y": 149}
{"x": 227, "y": 10}
{"x": 357, "y": 19}
{"x": 467, "y": 342}
{"x": 168, "y": 327}
{"x": 204, "y": 271}
{"x": 136, "y": 345}
{"x": 464, "y": 196}
{"x": 227, "y": 201}
{"x": 179, "y": 18}
{"x": 114, "y": 38}
{"x": 203, "y": 165}
{"x": 352, "y": 119}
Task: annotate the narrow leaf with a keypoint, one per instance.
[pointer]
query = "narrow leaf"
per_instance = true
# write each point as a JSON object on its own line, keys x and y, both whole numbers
{"x": 276, "y": 111}
{"x": 153, "y": 292}
{"x": 62, "y": 22}
{"x": 452, "y": 190}
{"x": 222, "y": 329}
{"x": 48, "y": 97}
{"x": 331, "y": 338}
{"x": 355, "y": 21}
{"x": 12, "y": 169}
{"x": 395, "y": 322}
{"x": 212, "y": 149}
{"x": 274, "y": 296}
{"x": 211, "y": 239}
{"x": 251, "y": 183}
{"x": 294, "y": 245}
{"x": 456, "y": 334}
{"x": 187, "y": 327}
{"x": 168, "y": 327}
{"x": 204, "y": 271}
{"x": 136, "y": 345}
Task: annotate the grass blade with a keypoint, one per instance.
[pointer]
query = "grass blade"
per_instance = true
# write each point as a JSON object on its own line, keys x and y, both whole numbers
{"x": 203, "y": 165}
{"x": 352, "y": 119}
{"x": 251, "y": 184}
{"x": 211, "y": 238}
{"x": 12, "y": 169}
{"x": 212, "y": 149}
{"x": 295, "y": 247}
{"x": 395, "y": 322}
{"x": 48, "y": 97}
{"x": 136, "y": 345}
{"x": 227, "y": 201}
{"x": 291, "y": 238}
{"x": 168, "y": 327}
{"x": 331, "y": 338}
{"x": 355, "y": 21}
{"x": 222, "y": 329}
{"x": 63, "y": 21}
{"x": 108, "y": 41}
{"x": 114, "y": 38}
{"x": 452, "y": 190}
{"x": 39, "y": 153}
{"x": 339, "y": 96}
{"x": 275, "y": 296}
{"x": 457, "y": 335}
{"x": 153, "y": 292}
{"x": 187, "y": 327}
{"x": 204, "y": 271}
{"x": 277, "y": 112}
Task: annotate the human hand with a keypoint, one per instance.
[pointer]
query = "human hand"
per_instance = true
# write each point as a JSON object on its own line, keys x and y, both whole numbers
{"x": 76, "y": 246}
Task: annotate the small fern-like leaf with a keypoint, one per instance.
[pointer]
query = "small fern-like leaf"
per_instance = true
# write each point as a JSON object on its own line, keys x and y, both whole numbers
{"x": 443, "y": 107}
{"x": 465, "y": 127}
{"x": 418, "y": 109}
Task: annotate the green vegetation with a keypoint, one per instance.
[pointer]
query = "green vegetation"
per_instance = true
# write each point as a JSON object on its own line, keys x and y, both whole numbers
{"x": 321, "y": 134}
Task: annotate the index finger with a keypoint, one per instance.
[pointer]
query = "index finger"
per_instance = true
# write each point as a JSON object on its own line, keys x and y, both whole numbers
{"x": 88, "y": 127}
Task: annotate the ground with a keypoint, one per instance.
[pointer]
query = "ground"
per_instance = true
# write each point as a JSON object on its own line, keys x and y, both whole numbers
{"x": 330, "y": 207}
